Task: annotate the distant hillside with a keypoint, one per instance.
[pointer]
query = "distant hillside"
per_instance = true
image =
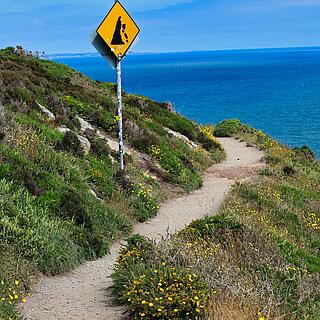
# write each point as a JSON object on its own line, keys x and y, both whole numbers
{"x": 63, "y": 200}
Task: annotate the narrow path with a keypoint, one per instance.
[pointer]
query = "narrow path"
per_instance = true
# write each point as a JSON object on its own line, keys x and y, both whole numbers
{"x": 82, "y": 294}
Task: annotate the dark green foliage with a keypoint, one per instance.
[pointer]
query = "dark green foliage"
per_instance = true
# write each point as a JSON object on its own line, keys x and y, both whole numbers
{"x": 105, "y": 120}
{"x": 71, "y": 143}
{"x": 289, "y": 170}
{"x": 138, "y": 241}
{"x": 207, "y": 227}
{"x": 304, "y": 153}
{"x": 72, "y": 207}
{"x": 299, "y": 257}
{"x": 227, "y": 128}
{"x": 100, "y": 148}
{"x": 145, "y": 140}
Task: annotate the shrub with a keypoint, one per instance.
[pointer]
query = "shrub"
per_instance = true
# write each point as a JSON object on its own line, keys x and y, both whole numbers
{"x": 105, "y": 120}
{"x": 171, "y": 162}
{"x": 45, "y": 131}
{"x": 100, "y": 147}
{"x": 145, "y": 202}
{"x": 71, "y": 143}
{"x": 227, "y": 128}
{"x": 304, "y": 153}
{"x": 157, "y": 128}
{"x": 206, "y": 138}
{"x": 154, "y": 289}
{"x": 164, "y": 117}
{"x": 166, "y": 293}
{"x": 138, "y": 249}
{"x": 16, "y": 275}
{"x": 76, "y": 104}
{"x": 207, "y": 227}
{"x": 39, "y": 237}
{"x": 289, "y": 170}
{"x": 144, "y": 141}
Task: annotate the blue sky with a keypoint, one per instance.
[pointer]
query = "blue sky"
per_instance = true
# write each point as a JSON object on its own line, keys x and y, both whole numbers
{"x": 166, "y": 25}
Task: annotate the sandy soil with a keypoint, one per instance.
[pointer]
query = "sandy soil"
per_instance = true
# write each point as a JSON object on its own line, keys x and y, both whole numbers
{"x": 85, "y": 293}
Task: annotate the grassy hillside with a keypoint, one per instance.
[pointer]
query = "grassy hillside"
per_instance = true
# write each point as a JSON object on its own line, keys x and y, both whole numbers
{"x": 257, "y": 259}
{"x": 64, "y": 202}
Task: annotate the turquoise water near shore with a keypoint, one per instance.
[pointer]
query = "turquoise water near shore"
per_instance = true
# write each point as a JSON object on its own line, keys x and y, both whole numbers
{"x": 276, "y": 90}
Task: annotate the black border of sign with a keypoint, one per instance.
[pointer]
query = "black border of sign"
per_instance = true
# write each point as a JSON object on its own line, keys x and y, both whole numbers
{"x": 130, "y": 18}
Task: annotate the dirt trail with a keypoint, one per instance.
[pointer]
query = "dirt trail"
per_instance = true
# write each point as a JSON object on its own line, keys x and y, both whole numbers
{"x": 82, "y": 294}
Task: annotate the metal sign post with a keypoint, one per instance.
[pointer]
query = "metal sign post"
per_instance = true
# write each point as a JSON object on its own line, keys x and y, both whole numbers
{"x": 119, "y": 93}
{"x": 113, "y": 38}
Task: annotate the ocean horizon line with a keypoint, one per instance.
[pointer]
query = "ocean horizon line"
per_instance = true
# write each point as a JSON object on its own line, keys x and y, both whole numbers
{"x": 266, "y": 49}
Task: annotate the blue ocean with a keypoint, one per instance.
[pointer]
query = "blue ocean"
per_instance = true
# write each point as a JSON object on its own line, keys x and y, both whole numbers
{"x": 276, "y": 90}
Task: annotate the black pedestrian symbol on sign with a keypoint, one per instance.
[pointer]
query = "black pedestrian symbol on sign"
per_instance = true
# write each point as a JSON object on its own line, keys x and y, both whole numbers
{"x": 117, "y": 38}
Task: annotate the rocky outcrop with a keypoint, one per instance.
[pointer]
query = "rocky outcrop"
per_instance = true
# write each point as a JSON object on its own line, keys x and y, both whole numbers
{"x": 85, "y": 125}
{"x": 131, "y": 128}
{"x": 83, "y": 141}
{"x": 46, "y": 111}
{"x": 182, "y": 137}
{"x": 168, "y": 106}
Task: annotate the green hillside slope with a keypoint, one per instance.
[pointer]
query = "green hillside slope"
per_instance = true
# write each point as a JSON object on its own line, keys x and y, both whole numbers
{"x": 63, "y": 200}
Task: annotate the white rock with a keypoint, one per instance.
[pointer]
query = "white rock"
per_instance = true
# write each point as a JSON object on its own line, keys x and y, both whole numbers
{"x": 85, "y": 125}
{"x": 182, "y": 137}
{"x": 63, "y": 129}
{"x": 46, "y": 111}
{"x": 113, "y": 144}
{"x": 85, "y": 144}
{"x": 112, "y": 159}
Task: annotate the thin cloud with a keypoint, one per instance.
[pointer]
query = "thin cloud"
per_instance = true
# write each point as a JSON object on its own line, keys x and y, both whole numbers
{"x": 265, "y": 6}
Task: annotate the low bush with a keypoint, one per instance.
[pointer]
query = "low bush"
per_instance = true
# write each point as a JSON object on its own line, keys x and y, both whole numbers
{"x": 206, "y": 138}
{"x": 154, "y": 289}
{"x": 165, "y": 117}
{"x": 145, "y": 140}
{"x": 207, "y": 227}
{"x": 71, "y": 143}
{"x": 145, "y": 201}
{"x": 16, "y": 277}
{"x": 304, "y": 153}
{"x": 227, "y": 128}
{"x": 75, "y": 104}
{"x": 172, "y": 161}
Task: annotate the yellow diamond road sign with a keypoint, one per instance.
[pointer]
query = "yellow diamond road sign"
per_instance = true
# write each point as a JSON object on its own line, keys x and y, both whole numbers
{"x": 118, "y": 30}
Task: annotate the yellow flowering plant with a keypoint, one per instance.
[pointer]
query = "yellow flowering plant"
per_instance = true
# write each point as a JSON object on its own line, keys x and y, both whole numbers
{"x": 166, "y": 293}
{"x": 145, "y": 200}
{"x": 154, "y": 288}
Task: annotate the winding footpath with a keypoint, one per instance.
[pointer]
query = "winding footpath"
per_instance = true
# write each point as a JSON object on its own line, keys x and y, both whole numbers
{"x": 85, "y": 293}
